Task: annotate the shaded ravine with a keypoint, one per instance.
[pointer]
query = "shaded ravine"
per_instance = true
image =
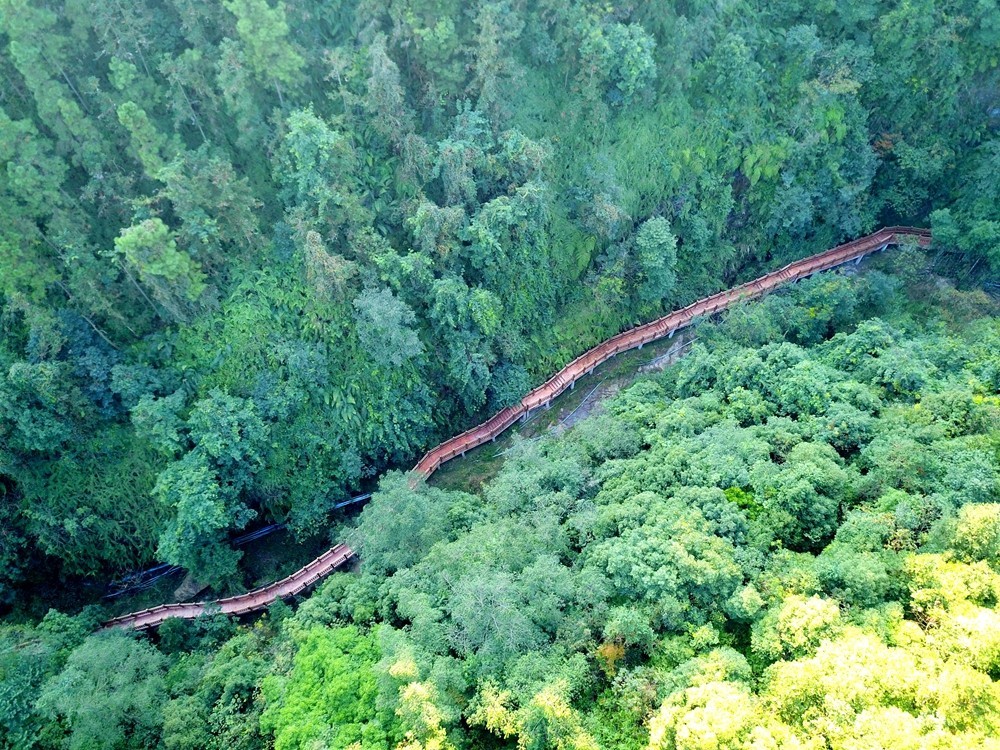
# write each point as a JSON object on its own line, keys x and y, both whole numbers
{"x": 540, "y": 397}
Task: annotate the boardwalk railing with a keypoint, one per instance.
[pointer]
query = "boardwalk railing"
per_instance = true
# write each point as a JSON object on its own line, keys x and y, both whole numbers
{"x": 540, "y": 397}
{"x": 294, "y": 584}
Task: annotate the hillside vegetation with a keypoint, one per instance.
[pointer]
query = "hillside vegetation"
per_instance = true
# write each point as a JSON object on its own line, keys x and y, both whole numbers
{"x": 790, "y": 539}
{"x": 254, "y": 253}
{"x": 257, "y": 256}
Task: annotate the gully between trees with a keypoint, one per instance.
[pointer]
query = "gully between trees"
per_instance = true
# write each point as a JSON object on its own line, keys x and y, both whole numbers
{"x": 540, "y": 397}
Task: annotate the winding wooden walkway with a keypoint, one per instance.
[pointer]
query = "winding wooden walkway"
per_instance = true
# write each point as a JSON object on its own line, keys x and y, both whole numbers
{"x": 540, "y": 397}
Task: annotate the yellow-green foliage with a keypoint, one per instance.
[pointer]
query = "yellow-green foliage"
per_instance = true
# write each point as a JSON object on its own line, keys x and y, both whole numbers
{"x": 925, "y": 684}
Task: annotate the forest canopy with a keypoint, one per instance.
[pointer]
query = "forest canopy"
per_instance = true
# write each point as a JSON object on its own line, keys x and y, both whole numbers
{"x": 255, "y": 253}
{"x": 257, "y": 256}
{"x": 789, "y": 539}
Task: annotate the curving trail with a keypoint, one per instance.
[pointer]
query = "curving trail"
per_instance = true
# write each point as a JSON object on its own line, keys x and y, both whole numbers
{"x": 241, "y": 604}
{"x": 541, "y": 396}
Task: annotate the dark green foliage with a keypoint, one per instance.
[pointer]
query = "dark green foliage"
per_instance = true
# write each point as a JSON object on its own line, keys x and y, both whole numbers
{"x": 384, "y": 330}
{"x": 195, "y": 537}
{"x": 459, "y": 199}
{"x": 411, "y": 521}
{"x": 109, "y": 694}
{"x": 667, "y": 558}
{"x": 27, "y": 657}
{"x": 254, "y": 253}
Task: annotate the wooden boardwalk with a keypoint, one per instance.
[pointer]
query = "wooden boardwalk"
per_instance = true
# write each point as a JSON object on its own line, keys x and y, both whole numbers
{"x": 540, "y": 397}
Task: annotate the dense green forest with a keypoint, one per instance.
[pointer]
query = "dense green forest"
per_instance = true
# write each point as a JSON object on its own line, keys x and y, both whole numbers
{"x": 254, "y": 254}
{"x": 790, "y": 539}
